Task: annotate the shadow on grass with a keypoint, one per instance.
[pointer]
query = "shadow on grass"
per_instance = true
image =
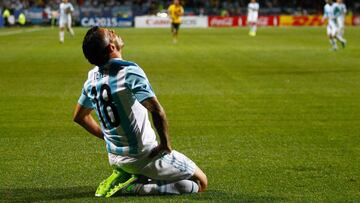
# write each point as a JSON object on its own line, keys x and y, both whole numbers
{"x": 72, "y": 193}
{"x": 218, "y": 195}
{"x": 44, "y": 194}
{"x": 208, "y": 196}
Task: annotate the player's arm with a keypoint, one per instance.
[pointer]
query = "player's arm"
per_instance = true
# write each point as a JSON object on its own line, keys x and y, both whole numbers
{"x": 83, "y": 117}
{"x": 325, "y": 16}
{"x": 160, "y": 124}
{"x": 71, "y": 9}
{"x": 139, "y": 85}
{"x": 181, "y": 11}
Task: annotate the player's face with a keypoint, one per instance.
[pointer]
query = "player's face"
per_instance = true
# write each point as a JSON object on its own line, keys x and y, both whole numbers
{"x": 114, "y": 38}
{"x": 65, "y": 1}
{"x": 176, "y": 2}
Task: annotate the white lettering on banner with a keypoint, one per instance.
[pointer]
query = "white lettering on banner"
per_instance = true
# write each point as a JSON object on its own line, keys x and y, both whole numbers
{"x": 263, "y": 21}
{"x": 161, "y": 22}
{"x": 104, "y": 22}
{"x": 275, "y": 22}
{"x": 158, "y": 21}
{"x": 189, "y": 22}
{"x": 356, "y": 20}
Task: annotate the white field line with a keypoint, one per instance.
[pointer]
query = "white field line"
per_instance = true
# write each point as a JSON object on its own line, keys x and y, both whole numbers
{"x": 14, "y": 32}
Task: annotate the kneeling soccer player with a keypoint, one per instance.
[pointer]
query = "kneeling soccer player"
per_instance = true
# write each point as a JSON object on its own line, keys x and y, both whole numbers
{"x": 121, "y": 94}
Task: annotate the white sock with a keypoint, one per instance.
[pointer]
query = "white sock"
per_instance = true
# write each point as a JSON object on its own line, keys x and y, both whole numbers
{"x": 61, "y": 34}
{"x": 341, "y": 32}
{"x": 254, "y": 28}
{"x": 340, "y": 38}
{"x": 71, "y": 31}
{"x": 162, "y": 187}
{"x": 333, "y": 43}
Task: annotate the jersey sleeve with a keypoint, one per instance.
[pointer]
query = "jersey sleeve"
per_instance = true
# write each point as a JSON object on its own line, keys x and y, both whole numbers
{"x": 170, "y": 10}
{"x": 325, "y": 13}
{"x": 71, "y": 8}
{"x": 84, "y": 100}
{"x": 138, "y": 84}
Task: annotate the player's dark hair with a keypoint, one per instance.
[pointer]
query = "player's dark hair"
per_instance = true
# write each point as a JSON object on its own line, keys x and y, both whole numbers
{"x": 95, "y": 47}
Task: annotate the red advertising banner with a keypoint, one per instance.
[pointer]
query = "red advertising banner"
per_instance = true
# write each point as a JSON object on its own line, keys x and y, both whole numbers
{"x": 268, "y": 20}
{"x": 301, "y": 20}
{"x": 218, "y": 21}
{"x": 356, "y": 20}
{"x": 284, "y": 20}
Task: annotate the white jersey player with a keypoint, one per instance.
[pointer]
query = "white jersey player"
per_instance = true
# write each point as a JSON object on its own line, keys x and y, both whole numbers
{"x": 65, "y": 10}
{"x": 252, "y": 16}
{"x": 332, "y": 27}
{"x": 340, "y": 13}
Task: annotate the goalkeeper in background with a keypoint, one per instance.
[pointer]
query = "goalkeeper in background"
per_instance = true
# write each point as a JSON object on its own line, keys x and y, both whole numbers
{"x": 175, "y": 12}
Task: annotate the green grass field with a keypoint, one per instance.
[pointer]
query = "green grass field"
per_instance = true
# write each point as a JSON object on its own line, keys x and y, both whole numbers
{"x": 275, "y": 118}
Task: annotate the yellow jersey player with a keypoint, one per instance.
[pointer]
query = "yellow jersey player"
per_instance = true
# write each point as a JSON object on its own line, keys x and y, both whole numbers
{"x": 175, "y": 12}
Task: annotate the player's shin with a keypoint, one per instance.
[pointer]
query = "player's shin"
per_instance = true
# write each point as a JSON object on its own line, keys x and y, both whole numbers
{"x": 179, "y": 187}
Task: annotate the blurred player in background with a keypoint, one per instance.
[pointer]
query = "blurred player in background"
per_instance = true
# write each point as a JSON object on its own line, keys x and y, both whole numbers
{"x": 341, "y": 15}
{"x": 122, "y": 96}
{"x": 252, "y": 16}
{"x": 65, "y": 10}
{"x": 175, "y": 12}
{"x": 330, "y": 13}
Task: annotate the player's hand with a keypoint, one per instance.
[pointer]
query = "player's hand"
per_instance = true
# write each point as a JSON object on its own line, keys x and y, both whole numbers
{"x": 159, "y": 150}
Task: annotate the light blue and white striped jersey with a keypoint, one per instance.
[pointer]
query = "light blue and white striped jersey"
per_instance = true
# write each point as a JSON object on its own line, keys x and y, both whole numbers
{"x": 340, "y": 11}
{"x": 329, "y": 13}
{"x": 115, "y": 91}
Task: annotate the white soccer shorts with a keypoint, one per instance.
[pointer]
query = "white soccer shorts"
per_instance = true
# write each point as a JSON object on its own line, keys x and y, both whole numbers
{"x": 332, "y": 29}
{"x": 65, "y": 21}
{"x": 168, "y": 167}
{"x": 252, "y": 17}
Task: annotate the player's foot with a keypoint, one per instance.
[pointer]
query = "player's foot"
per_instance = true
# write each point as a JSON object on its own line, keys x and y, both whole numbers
{"x": 343, "y": 44}
{"x": 122, "y": 184}
{"x": 111, "y": 185}
{"x": 115, "y": 182}
{"x": 252, "y": 34}
{"x": 334, "y": 49}
{"x": 132, "y": 188}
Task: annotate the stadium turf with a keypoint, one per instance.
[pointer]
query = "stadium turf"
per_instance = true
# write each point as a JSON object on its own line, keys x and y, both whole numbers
{"x": 274, "y": 118}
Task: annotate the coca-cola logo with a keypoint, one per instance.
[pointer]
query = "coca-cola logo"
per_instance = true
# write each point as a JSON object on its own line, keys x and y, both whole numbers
{"x": 221, "y": 22}
{"x": 263, "y": 21}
